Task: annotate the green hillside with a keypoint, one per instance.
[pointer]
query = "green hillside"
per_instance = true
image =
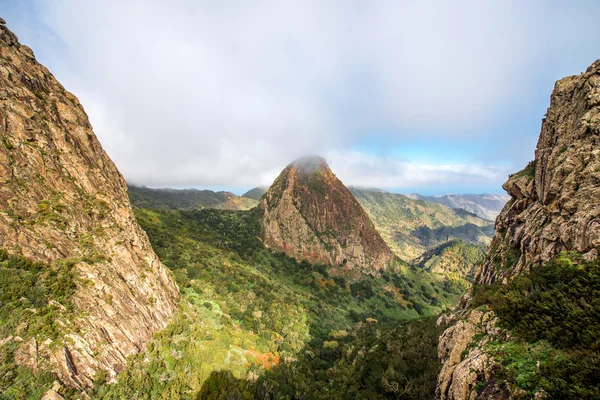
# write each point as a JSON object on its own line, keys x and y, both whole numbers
{"x": 411, "y": 227}
{"x": 247, "y": 310}
{"x": 255, "y": 193}
{"x": 484, "y": 205}
{"x": 454, "y": 259}
{"x": 370, "y": 361}
{"x": 552, "y": 312}
{"x": 186, "y": 199}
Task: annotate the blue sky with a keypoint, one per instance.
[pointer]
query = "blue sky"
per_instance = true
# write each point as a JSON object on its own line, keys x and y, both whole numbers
{"x": 431, "y": 97}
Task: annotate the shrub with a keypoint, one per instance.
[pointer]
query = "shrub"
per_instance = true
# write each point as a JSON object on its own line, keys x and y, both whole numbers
{"x": 553, "y": 312}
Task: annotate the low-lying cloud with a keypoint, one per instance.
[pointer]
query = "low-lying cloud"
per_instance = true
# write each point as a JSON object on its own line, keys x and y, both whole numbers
{"x": 197, "y": 93}
{"x": 367, "y": 170}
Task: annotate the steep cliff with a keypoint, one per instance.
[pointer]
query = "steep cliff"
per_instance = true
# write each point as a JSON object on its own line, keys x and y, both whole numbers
{"x": 554, "y": 208}
{"x": 309, "y": 214}
{"x": 62, "y": 198}
{"x": 555, "y": 200}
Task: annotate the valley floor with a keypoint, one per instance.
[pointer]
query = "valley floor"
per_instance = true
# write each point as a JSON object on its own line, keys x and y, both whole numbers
{"x": 255, "y": 324}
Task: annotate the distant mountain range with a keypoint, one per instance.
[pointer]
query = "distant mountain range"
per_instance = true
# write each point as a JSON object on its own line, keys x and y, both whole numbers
{"x": 411, "y": 227}
{"x": 410, "y": 224}
{"x": 187, "y": 199}
{"x": 485, "y": 205}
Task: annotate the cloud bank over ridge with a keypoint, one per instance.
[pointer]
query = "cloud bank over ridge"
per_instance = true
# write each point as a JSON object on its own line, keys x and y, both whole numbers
{"x": 195, "y": 93}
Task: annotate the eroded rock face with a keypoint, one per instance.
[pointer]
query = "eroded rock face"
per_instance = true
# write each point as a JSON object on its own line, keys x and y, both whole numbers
{"x": 460, "y": 349}
{"x": 555, "y": 201}
{"x": 554, "y": 207}
{"x": 62, "y": 197}
{"x": 309, "y": 214}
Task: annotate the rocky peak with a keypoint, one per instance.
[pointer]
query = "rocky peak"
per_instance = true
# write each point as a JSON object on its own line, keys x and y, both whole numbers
{"x": 61, "y": 197}
{"x": 309, "y": 214}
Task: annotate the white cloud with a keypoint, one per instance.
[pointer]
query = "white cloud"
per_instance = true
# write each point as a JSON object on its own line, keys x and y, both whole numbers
{"x": 367, "y": 170}
{"x": 187, "y": 92}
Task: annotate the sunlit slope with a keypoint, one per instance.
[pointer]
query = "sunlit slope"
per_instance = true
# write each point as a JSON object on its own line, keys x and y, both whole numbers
{"x": 187, "y": 199}
{"x": 246, "y": 309}
{"x": 411, "y": 227}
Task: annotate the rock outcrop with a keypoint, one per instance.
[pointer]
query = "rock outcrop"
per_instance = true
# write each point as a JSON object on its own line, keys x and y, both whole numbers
{"x": 460, "y": 374}
{"x": 555, "y": 200}
{"x": 309, "y": 214}
{"x": 554, "y": 207}
{"x": 61, "y": 197}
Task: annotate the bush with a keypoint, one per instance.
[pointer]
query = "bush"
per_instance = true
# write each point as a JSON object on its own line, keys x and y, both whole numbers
{"x": 29, "y": 294}
{"x": 553, "y": 312}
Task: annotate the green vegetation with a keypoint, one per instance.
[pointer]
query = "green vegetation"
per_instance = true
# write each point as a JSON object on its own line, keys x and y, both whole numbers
{"x": 553, "y": 312}
{"x": 528, "y": 171}
{"x": 32, "y": 297}
{"x": 372, "y": 361}
{"x": 411, "y": 227}
{"x": 255, "y": 193}
{"x": 454, "y": 259}
{"x": 486, "y": 206}
{"x": 252, "y": 319}
{"x": 468, "y": 232}
{"x": 187, "y": 199}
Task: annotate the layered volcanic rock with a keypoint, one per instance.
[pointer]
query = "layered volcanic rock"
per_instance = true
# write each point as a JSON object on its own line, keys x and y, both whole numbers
{"x": 309, "y": 214}
{"x": 555, "y": 200}
{"x": 61, "y": 197}
{"x": 554, "y": 207}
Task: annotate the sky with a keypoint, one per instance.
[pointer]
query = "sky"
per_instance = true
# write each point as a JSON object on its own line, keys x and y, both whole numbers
{"x": 430, "y": 97}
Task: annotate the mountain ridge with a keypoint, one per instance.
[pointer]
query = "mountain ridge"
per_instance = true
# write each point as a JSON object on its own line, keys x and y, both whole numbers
{"x": 255, "y": 193}
{"x": 486, "y": 206}
{"x": 187, "y": 199}
{"x": 411, "y": 227}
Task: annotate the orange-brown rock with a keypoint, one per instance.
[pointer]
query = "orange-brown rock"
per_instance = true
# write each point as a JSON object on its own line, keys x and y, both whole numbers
{"x": 309, "y": 214}
{"x": 62, "y": 197}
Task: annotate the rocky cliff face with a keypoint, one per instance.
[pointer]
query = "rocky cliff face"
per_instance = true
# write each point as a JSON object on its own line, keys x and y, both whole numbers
{"x": 554, "y": 207}
{"x": 309, "y": 214}
{"x": 554, "y": 202}
{"x": 61, "y": 197}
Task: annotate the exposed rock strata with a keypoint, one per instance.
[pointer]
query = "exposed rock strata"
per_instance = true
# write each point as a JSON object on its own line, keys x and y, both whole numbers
{"x": 555, "y": 200}
{"x": 554, "y": 207}
{"x": 62, "y": 197}
{"x": 460, "y": 350}
{"x": 309, "y": 214}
